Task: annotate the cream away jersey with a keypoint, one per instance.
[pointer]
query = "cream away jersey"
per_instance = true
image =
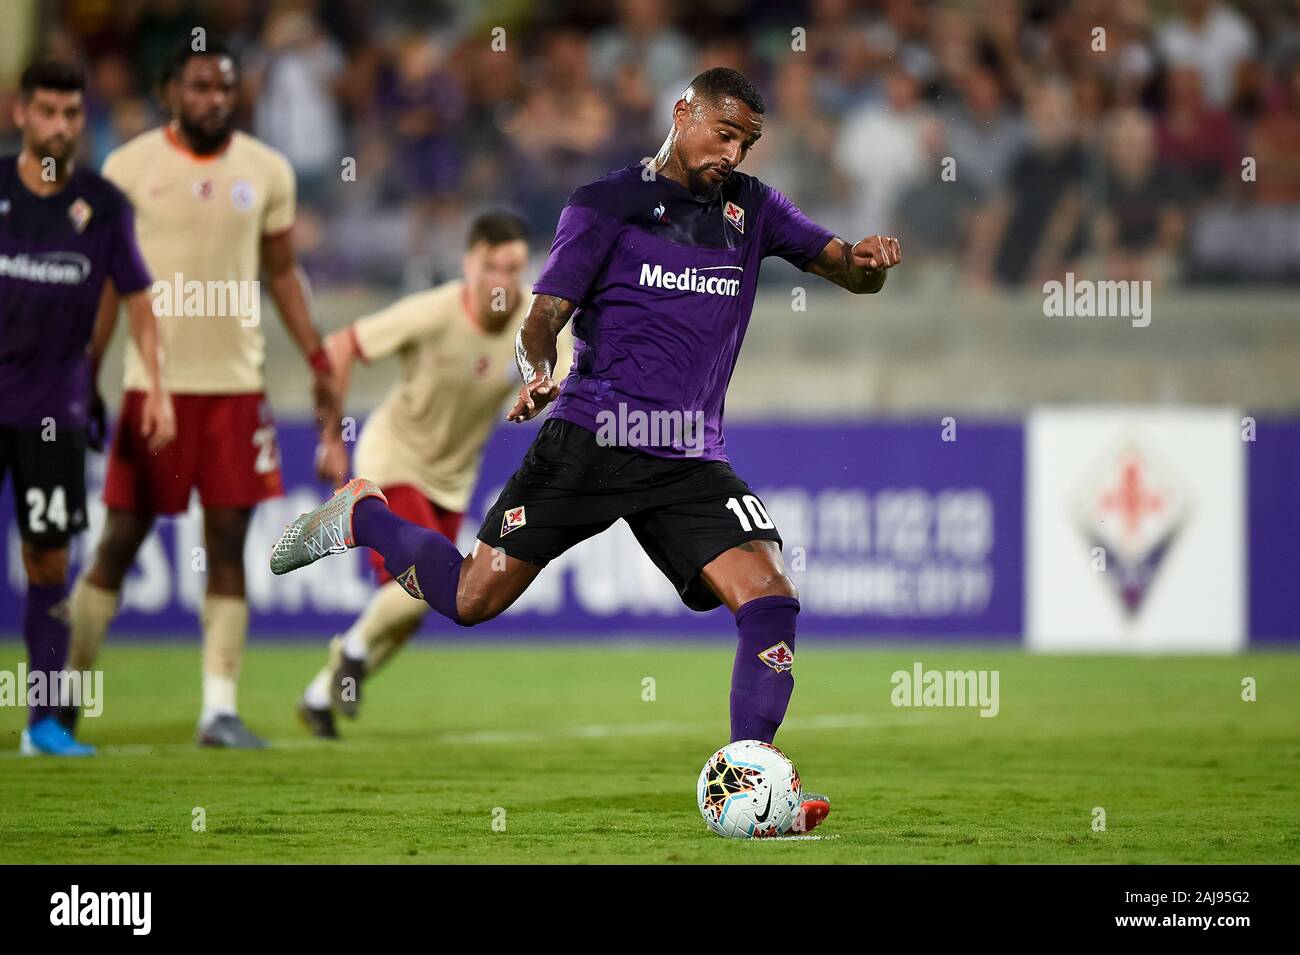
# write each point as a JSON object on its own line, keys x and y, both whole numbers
{"x": 455, "y": 386}
{"x": 200, "y": 221}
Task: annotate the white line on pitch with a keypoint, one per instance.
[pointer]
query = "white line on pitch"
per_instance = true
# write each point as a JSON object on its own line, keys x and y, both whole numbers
{"x": 832, "y": 721}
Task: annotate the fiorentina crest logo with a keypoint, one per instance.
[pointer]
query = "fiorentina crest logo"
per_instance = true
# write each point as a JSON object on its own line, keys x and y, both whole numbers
{"x": 512, "y": 520}
{"x": 410, "y": 584}
{"x": 80, "y": 212}
{"x": 780, "y": 657}
{"x": 1132, "y": 507}
{"x": 735, "y": 215}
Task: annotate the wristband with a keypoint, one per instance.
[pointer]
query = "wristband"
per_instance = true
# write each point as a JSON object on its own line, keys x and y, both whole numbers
{"x": 319, "y": 361}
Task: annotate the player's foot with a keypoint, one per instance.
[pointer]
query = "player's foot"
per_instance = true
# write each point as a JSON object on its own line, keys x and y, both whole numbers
{"x": 318, "y": 720}
{"x": 228, "y": 731}
{"x": 49, "y": 737}
{"x": 812, "y": 812}
{"x": 325, "y": 530}
{"x": 68, "y": 716}
{"x": 346, "y": 687}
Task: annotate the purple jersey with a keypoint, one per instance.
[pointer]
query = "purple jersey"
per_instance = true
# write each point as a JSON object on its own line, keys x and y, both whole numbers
{"x": 664, "y": 283}
{"x": 55, "y": 253}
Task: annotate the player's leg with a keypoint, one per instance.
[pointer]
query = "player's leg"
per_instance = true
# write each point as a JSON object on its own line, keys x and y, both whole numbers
{"x": 238, "y": 467}
{"x": 140, "y": 484}
{"x": 388, "y": 621}
{"x": 718, "y": 545}
{"x": 50, "y": 497}
{"x": 45, "y": 630}
{"x": 513, "y": 545}
{"x": 224, "y": 618}
{"x": 95, "y": 597}
{"x": 465, "y": 589}
{"x": 750, "y": 581}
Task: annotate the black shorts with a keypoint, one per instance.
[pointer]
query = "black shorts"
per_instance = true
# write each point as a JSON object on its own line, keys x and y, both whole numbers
{"x": 684, "y": 512}
{"x": 49, "y": 478}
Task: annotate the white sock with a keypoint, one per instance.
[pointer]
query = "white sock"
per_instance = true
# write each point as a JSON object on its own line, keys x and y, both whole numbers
{"x": 218, "y": 697}
{"x": 318, "y": 692}
{"x": 354, "y": 643}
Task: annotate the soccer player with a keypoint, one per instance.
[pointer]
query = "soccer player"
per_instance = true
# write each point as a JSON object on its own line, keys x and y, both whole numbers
{"x": 212, "y": 206}
{"x": 658, "y": 268}
{"x": 424, "y": 444}
{"x": 66, "y": 238}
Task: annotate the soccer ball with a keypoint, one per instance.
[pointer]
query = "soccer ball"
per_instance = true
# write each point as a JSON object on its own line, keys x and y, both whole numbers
{"x": 749, "y": 790}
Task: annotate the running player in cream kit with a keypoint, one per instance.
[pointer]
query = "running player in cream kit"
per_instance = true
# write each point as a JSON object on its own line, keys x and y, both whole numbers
{"x": 214, "y": 209}
{"x": 424, "y": 443}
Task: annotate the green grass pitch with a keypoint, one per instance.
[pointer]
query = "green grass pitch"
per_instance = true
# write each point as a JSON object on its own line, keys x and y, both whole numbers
{"x": 586, "y": 770}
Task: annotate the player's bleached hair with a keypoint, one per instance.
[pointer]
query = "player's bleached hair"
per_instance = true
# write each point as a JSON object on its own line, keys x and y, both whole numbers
{"x": 52, "y": 75}
{"x": 720, "y": 81}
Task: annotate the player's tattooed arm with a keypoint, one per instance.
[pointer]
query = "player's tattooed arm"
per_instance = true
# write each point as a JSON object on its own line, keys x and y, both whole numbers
{"x": 860, "y": 267}
{"x": 535, "y": 354}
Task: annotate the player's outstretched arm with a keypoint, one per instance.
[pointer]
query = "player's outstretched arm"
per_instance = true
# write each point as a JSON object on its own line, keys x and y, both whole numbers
{"x": 535, "y": 354}
{"x": 158, "y": 420}
{"x": 861, "y": 267}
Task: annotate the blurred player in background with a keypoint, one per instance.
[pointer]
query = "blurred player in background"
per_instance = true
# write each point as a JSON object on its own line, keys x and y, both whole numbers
{"x": 66, "y": 238}
{"x": 424, "y": 444}
{"x": 660, "y": 267}
{"x": 213, "y": 206}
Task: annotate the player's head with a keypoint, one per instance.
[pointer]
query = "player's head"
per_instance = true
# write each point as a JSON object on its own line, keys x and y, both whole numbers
{"x": 49, "y": 110}
{"x": 715, "y": 123}
{"x": 496, "y": 252}
{"x": 200, "y": 88}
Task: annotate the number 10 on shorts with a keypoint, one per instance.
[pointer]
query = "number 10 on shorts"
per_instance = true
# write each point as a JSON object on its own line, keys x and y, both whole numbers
{"x": 756, "y": 511}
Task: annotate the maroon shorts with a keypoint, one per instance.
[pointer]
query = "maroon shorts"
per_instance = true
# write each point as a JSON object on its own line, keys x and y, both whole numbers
{"x": 408, "y": 503}
{"x": 225, "y": 446}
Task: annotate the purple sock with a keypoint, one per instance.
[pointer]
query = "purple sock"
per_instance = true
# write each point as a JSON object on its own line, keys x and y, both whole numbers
{"x": 425, "y": 563}
{"x": 45, "y": 628}
{"x": 761, "y": 680}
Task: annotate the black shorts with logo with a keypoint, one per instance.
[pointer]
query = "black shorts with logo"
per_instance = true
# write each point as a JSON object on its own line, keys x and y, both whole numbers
{"x": 683, "y": 512}
{"x": 48, "y": 470}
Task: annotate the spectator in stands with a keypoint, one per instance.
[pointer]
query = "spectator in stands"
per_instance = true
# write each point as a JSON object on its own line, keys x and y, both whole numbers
{"x": 1140, "y": 224}
{"x": 983, "y": 135}
{"x": 643, "y": 36}
{"x": 1196, "y": 139}
{"x": 293, "y": 76}
{"x": 1274, "y": 142}
{"x": 1031, "y": 231}
{"x": 1211, "y": 38}
{"x": 880, "y": 150}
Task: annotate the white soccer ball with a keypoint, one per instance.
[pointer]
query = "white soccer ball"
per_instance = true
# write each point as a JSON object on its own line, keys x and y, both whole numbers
{"x": 749, "y": 790}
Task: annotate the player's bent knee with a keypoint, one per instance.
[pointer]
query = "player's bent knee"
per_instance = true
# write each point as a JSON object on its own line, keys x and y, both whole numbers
{"x": 784, "y": 587}
{"x": 477, "y": 608}
{"x": 776, "y": 585}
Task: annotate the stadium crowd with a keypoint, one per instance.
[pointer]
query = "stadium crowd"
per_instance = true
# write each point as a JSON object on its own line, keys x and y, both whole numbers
{"x": 1004, "y": 140}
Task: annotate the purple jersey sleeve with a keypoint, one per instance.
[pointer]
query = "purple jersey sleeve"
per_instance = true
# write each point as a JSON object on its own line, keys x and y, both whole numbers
{"x": 126, "y": 267}
{"x": 789, "y": 233}
{"x": 584, "y": 238}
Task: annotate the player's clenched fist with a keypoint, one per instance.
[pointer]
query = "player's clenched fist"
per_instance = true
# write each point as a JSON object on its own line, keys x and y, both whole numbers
{"x": 877, "y": 252}
{"x": 533, "y": 397}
